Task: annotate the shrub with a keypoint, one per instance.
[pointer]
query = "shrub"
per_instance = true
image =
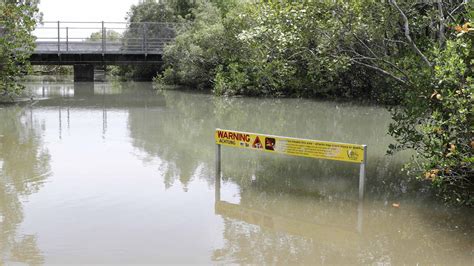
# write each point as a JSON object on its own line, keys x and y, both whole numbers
{"x": 436, "y": 120}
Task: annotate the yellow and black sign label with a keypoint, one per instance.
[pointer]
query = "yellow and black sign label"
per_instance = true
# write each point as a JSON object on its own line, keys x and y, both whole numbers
{"x": 291, "y": 146}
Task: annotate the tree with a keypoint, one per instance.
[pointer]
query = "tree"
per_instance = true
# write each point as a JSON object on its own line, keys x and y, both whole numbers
{"x": 437, "y": 122}
{"x": 18, "y": 19}
{"x": 182, "y": 8}
{"x": 110, "y": 35}
{"x": 150, "y": 12}
{"x": 424, "y": 50}
{"x": 198, "y": 50}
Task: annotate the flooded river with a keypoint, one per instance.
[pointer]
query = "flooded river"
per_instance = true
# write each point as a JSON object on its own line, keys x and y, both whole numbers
{"x": 119, "y": 173}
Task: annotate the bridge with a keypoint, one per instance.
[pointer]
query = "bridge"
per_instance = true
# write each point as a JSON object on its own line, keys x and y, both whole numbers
{"x": 87, "y": 45}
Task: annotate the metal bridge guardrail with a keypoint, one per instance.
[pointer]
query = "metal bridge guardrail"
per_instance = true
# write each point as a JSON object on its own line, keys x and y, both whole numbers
{"x": 103, "y": 37}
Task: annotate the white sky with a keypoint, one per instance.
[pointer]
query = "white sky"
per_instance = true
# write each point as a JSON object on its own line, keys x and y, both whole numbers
{"x": 85, "y": 10}
{"x": 81, "y": 11}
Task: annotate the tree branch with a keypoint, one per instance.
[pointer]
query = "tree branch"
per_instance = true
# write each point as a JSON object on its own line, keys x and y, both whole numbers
{"x": 381, "y": 71}
{"x": 395, "y": 41}
{"x": 365, "y": 45}
{"x": 456, "y": 9}
{"x": 377, "y": 58}
{"x": 450, "y": 14}
{"x": 407, "y": 33}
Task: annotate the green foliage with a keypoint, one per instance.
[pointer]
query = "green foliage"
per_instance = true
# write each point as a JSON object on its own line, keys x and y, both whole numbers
{"x": 202, "y": 38}
{"x": 181, "y": 8}
{"x": 53, "y": 70}
{"x": 436, "y": 120}
{"x": 151, "y": 11}
{"x": 203, "y": 44}
{"x": 435, "y": 117}
{"x": 110, "y": 35}
{"x": 17, "y": 20}
{"x": 145, "y": 11}
{"x": 274, "y": 48}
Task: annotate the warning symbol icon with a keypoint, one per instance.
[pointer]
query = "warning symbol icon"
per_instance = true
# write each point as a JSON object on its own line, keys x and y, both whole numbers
{"x": 257, "y": 143}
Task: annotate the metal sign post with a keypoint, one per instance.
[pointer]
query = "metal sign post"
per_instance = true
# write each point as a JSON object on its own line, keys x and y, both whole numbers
{"x": 218, "y": 159}
{"x": 218, "y": 173}
{"x": 363, "y": 165}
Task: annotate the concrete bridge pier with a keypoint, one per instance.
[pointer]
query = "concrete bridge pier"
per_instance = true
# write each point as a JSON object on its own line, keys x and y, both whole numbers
{"x": 83, "y": 72}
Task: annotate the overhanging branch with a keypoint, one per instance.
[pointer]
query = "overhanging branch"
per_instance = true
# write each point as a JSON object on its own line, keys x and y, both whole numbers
{"x": 407, "y": 33}
{"x": 380, "y": 70}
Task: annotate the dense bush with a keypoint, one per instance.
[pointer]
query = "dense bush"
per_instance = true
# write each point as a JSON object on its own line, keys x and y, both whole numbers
{"x": 272, "y": 48}
{"x": 436, "y": 120}
{"x": 198, "y": 50}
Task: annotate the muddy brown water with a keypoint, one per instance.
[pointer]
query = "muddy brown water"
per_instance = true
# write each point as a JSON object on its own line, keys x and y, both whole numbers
{"x": 119, "y": 173}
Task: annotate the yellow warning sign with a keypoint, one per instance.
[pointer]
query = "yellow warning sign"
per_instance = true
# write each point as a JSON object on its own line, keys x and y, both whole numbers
{"x": 291, "y": 146}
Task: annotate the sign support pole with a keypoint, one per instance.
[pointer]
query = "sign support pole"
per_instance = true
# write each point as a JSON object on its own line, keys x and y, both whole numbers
{"x": 360, "y": 207}
{"x": 360, "y": 216}
{"x": 218, "y": 159}
{"x": 218, "y": 173}
{"x": 363, "y": 165}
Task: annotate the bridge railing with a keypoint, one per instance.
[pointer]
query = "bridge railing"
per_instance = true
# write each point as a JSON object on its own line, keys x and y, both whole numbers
{"x": 103, "y": 37}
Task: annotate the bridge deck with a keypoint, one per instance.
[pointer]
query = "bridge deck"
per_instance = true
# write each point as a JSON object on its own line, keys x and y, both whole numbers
{"x": 71, "y": 43}
{"x": 94, "y": 58}
{"x": 94, "y": 48}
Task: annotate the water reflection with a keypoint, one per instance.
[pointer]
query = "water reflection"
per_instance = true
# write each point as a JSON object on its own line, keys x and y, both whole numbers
{"x": 268, "y": 227}
{"x": 24, "y": 167}
{"x": 179, "y": 135}
{"x": 91, "y": 96}
{"x": 86, "y": 95}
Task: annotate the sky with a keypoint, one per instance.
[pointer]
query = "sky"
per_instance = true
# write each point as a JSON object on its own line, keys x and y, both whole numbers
{"x": 81, "y": 11}
{"x": 85, "y": 10}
